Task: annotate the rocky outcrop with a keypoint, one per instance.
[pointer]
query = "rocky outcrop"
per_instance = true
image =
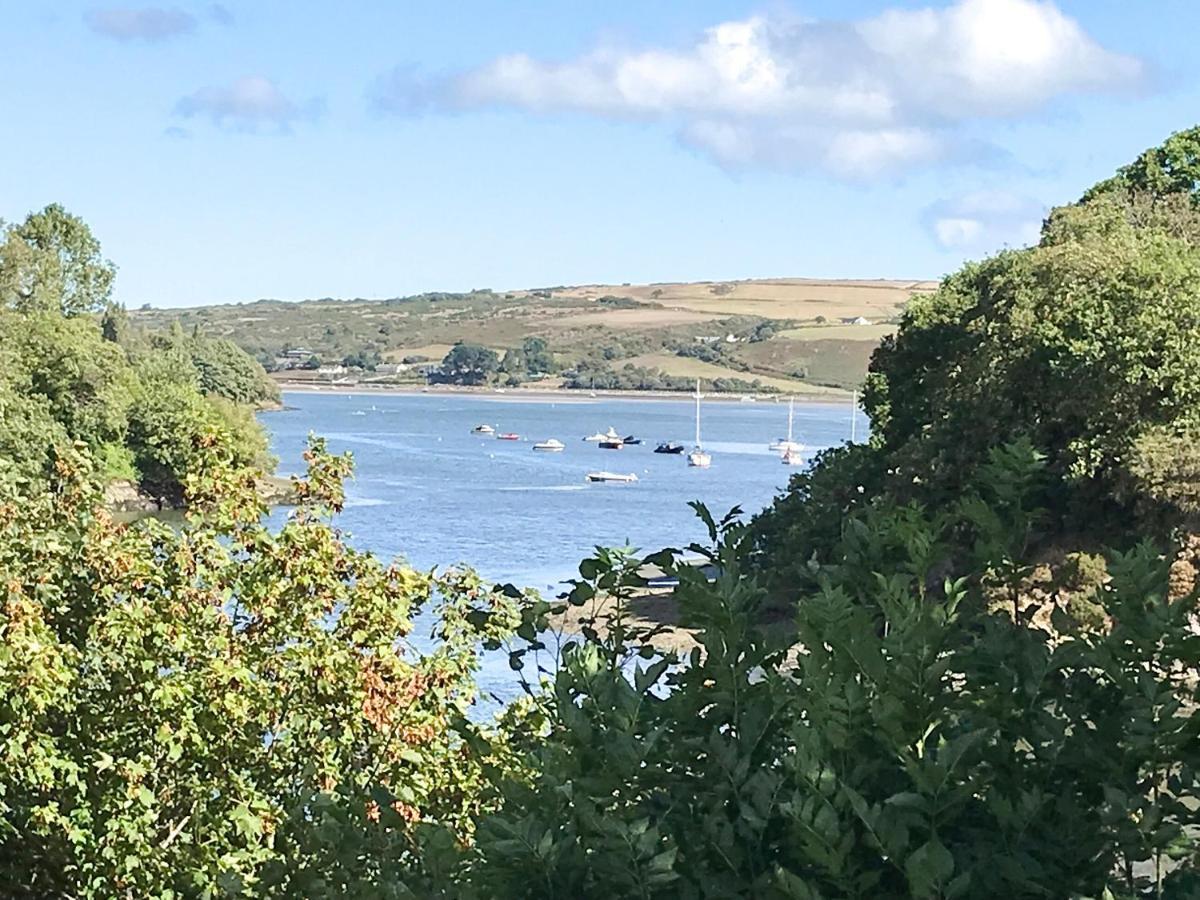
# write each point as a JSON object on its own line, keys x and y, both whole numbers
{"x": 127, "y": 496}
{"x": 277, "y": 491}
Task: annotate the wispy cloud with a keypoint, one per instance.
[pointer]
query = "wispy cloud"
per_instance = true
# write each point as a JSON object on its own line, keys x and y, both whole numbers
{"x": 856, "y": 97}
{"x": 151, "y": 23}
{"x": 984, "y": 221}
{"x": 253, "y": 103}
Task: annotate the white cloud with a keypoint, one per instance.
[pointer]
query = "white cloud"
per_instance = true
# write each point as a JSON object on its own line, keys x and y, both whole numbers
{"x": 856, "y": 97}
{"x": 150, "y": 23}
{"x": 985, "y": 221}
{"x": 253, "y": 103}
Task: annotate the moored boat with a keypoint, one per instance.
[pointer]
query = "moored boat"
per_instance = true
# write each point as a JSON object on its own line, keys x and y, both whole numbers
{"x": 699, "y": 457}
{"x": 792, "y": 457}
{"x": 612, "y": 476}
{"x": 610, "y": 435}
{"x": 607, "y": 444}
{"x": 787, "y": 445}
{"x": 631, "y": 440}
{"x": 672, "y": 447}
{"x": 483, "y": 429}
{"x": 508, "y": 436}
{"x": 551, "y": 445}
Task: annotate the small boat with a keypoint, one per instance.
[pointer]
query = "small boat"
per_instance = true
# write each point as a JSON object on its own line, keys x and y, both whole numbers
{"x": 791, "y": 458}
{"x": 699, "y": 458}
{"x": 610, "y": 435}
{"x": 612, "y": 476}
{"x": 669, "y": 447}
{"x": 746, "y": 398}
{"x": 606, "y": 444}
{"x": 631, "y": 440}
{"x": 787, "y": 445}
{"x": 508, "y": 436}
{"x": 550, "y": 445}
{"x": 483, "y": 429}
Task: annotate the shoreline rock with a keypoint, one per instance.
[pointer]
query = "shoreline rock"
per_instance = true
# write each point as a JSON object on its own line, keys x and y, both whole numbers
{"x": 123, "y": 495}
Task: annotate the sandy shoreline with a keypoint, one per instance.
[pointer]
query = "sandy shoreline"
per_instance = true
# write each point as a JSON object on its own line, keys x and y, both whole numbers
{"x": 548, "y": 395}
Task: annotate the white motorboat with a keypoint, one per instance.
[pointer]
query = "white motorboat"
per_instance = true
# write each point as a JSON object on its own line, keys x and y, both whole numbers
{"x": 483, "y": 429}
{"x": 599, "y": 436}
{"x": 551, "y": 446}
{"x": 612, "y": 476}
{"x": 787, "y": 445}
{"x": 699, "y": 457}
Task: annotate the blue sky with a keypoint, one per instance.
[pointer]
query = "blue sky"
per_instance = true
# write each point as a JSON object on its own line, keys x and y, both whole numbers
{"x": 228, "y": 152}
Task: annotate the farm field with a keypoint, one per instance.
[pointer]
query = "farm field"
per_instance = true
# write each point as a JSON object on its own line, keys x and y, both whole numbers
{"x": 791, "y": 333}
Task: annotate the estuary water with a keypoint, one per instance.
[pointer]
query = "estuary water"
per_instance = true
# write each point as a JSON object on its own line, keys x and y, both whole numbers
{"x": 428, "y": 490}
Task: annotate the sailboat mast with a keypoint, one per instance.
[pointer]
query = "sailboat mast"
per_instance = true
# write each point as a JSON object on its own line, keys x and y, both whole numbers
{"x": 854, "y": 417}
{"x": 791, "y": 407}
{"x": 697, "y": 412}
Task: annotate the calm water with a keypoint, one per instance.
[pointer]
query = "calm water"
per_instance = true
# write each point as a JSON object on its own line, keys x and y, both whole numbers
{"x": 428, "y": 490}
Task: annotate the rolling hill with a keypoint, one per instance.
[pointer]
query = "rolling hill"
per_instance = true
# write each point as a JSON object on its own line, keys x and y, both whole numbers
{"x": 790, "y": 333}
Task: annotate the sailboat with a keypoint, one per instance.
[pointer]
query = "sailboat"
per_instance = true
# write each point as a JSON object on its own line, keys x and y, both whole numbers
{"x": 698, "y": 457}
{"x": 786, "y": 444}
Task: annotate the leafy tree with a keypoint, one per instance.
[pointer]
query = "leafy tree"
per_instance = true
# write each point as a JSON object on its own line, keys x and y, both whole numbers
{"x": 114, "y": 324}
{"x": 363, "y": 359}
{"x": 537, "y": 355}
{"x": 1087, "y": 345}
{"x": 227, "y": 371}
{"x": 219, "y": 710}
{"x": 85, "y": 380}
{"x": 469, "y": 364}
{"x": 51, "y": 261}
{"x": 1173, "y": 167}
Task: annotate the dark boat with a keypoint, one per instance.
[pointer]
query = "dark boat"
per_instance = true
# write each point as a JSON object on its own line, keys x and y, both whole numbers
{"x": 669, "y": 447}
{"x": 612, "y": 445}
{"x": 632, "y": 441}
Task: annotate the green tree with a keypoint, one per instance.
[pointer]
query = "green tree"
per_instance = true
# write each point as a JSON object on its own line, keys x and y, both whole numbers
{"x": 51, "y": 261}
{"x": 225, "y": 370}
{"x": 537, "y": 355}
{"x": 469, "y": 364}
{"x": 1087, "y": 345}
{"x": 1173, "y": 167}
{"x": 219, "y": 710}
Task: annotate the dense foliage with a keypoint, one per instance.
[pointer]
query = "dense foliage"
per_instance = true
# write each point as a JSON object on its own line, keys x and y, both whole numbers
{"x": 600, "y": 375}
{"x": 1087, "y": 345}
{"x": 219, "y": 710}
{"x": 469, "y": 364}
{"x": 911, "y": 738}
{"x": 72, "y": 369}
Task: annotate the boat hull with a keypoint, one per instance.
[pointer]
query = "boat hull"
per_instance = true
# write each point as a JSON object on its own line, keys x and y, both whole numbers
{"x": 614, "y": 477}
